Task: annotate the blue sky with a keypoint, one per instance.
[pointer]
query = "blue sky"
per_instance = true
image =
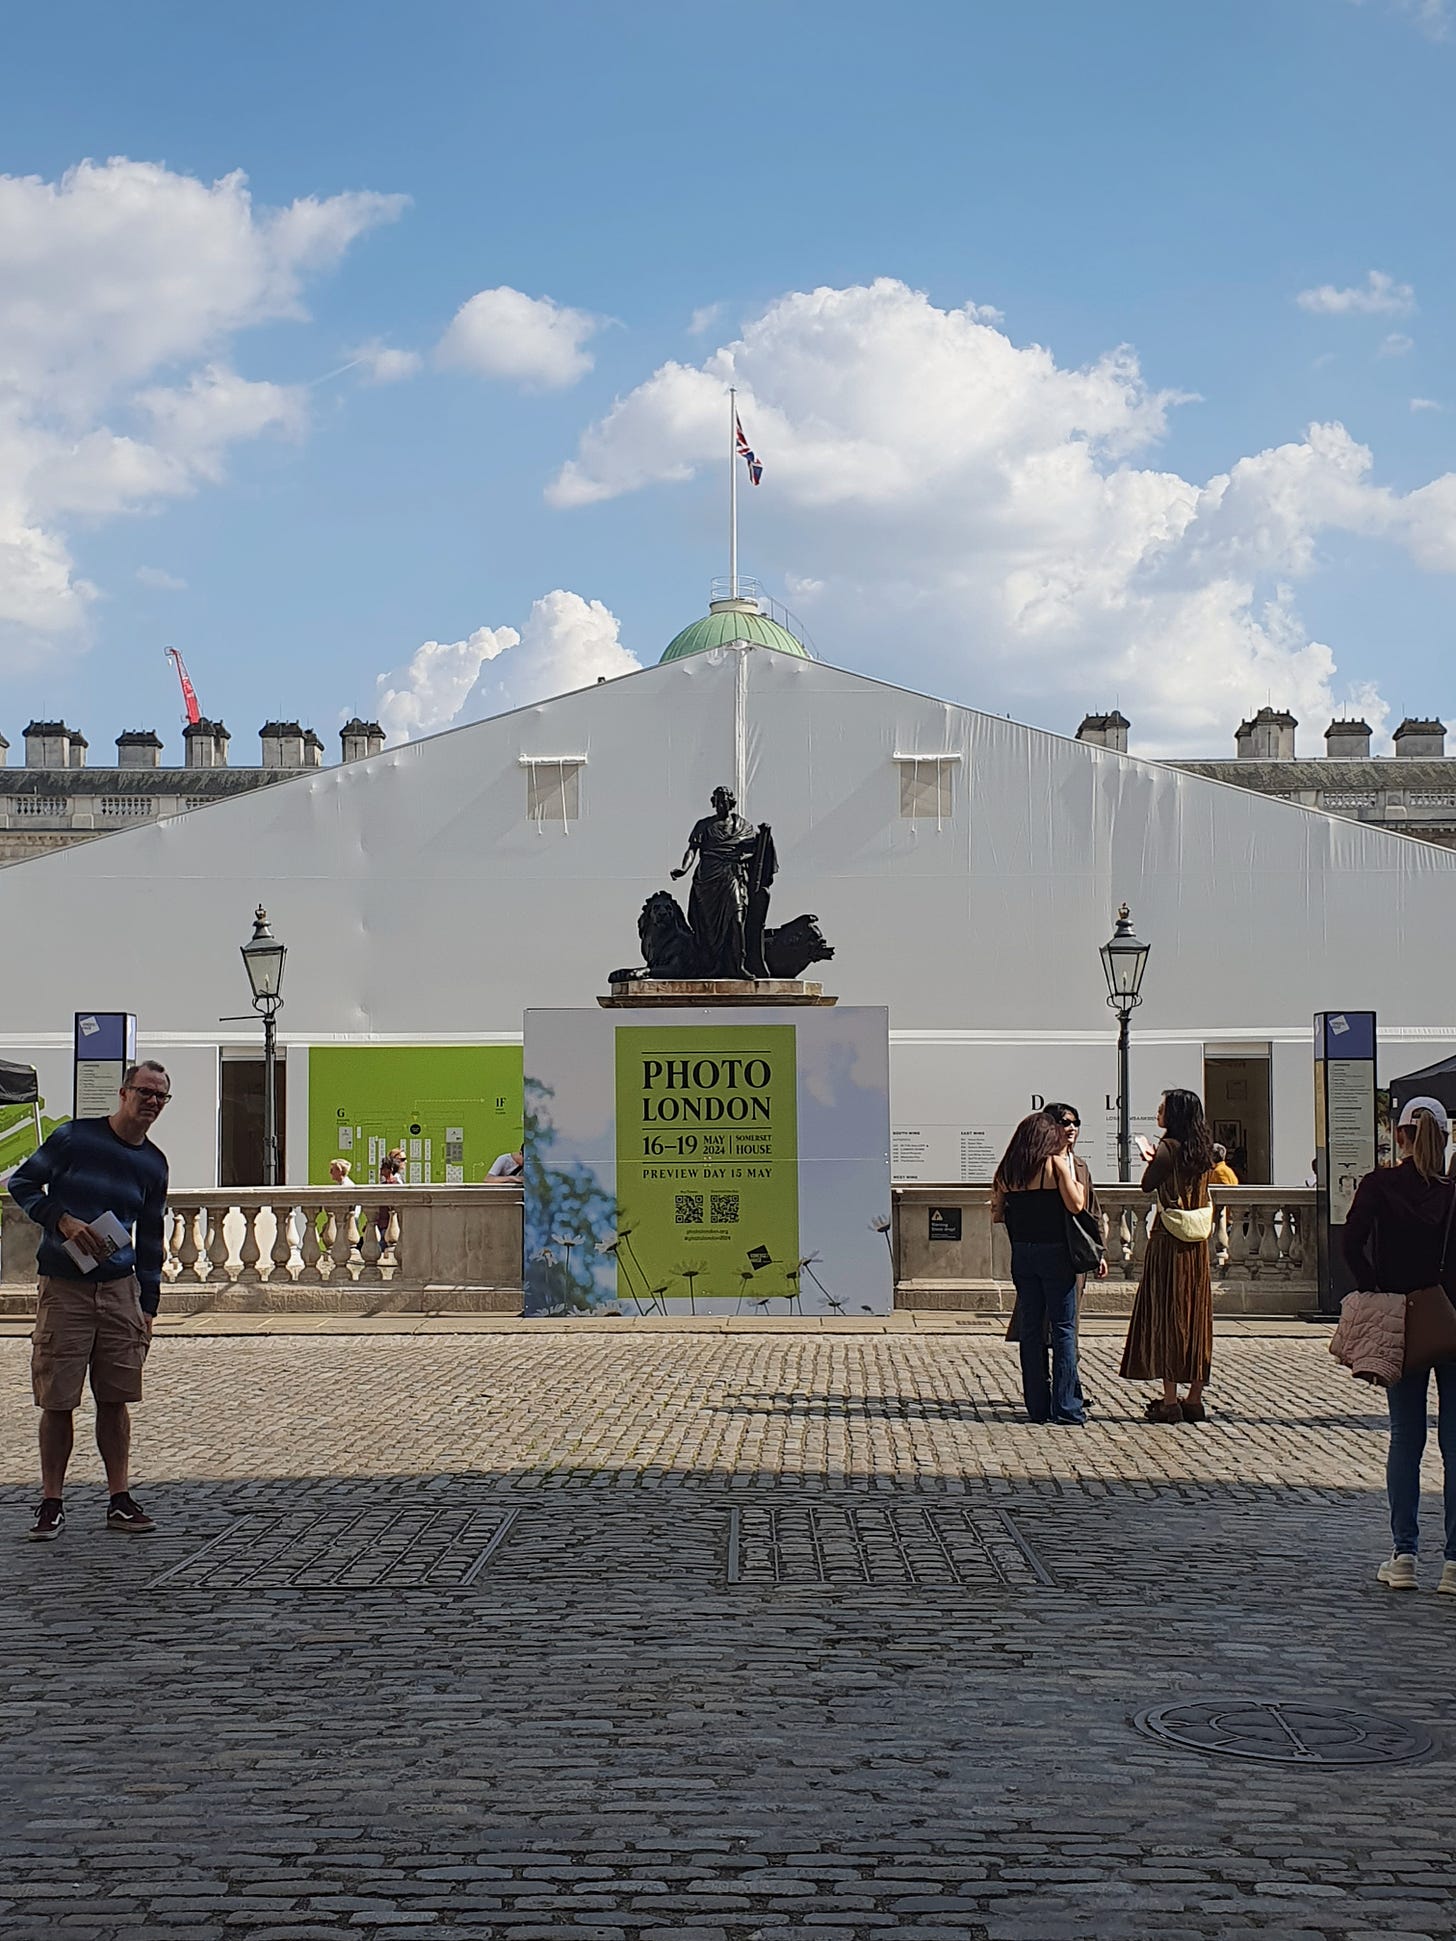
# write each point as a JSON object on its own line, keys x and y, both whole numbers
{"x": 993, "y": 503}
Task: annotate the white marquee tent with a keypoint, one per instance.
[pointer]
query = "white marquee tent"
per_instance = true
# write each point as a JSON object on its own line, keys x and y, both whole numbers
{"x": 966, "y": 868}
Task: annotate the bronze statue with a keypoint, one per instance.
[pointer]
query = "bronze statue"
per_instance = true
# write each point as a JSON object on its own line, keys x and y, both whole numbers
{"x": 724, "y": 934}
{"x": 722, "y": 850}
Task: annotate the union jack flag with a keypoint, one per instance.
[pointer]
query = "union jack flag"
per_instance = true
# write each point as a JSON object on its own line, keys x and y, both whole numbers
{"x": 746, "y": 453}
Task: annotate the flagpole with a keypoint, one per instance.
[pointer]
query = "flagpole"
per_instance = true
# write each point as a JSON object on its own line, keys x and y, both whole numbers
{"x": 732, "y": 493}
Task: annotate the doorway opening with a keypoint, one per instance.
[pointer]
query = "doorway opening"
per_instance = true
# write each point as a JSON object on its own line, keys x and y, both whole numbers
{"x": 240, "y": 1121}
{"x": 1237, "y": 1100}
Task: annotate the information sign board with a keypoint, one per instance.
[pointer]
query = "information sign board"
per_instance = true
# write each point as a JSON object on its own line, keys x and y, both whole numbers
{"x": 1345, "y": 1127}
{"x": 105, "y": 1044}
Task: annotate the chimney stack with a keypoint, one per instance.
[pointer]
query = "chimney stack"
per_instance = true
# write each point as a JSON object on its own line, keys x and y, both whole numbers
{"x": 1106, "y": 731}
{"x": 206, "y": 744}
{"x": 313, "y": 750}
{"x": 282, "y": 744}
{"x": 48, "y": 745}
{"x": 1269, "y": 737}
{"x": 139, "y": 748}
{"x": 4, "y": 750}
{"x": 1348, "y": 741}
{"x": 1421, "y": 739}
{"x": 360, "y": 739}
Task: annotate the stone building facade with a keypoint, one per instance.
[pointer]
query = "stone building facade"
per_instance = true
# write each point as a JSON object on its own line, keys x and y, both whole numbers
{"x": 57, "y": 798}
{"x": 1412, "y": 792}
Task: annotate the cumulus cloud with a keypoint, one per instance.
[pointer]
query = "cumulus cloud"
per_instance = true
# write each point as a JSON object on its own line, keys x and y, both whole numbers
{"x": 432, "y": 687}
{"x": 940, "y": 484}
{"x": 530, "y": 341}
{"x": 1426, "y": 404}
{"x": 160, "y": 580}
{"x": 1378, "y": 296}
{"x": 703, "y": 319}
{"x": 565, "y": 642}
{"x": 122, "y": 286}
{"x": 381, "y": 364}
{"x": 1396, "y": 344}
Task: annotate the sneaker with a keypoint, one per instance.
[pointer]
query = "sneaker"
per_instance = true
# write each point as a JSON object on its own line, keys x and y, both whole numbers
{"x": 1399, "y": 1573}
{"x": 50, "y": 1520}
{"x": 127, "y": 1514}
{"x": 1448, "y": 1579}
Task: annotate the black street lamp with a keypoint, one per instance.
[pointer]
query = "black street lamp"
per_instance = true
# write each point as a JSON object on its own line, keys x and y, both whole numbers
{"x": 1124, "y": 960}
{"x": 263, "y": 957}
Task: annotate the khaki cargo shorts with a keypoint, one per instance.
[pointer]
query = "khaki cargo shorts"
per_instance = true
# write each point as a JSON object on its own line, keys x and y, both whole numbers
{"x": 82, "y": 1325}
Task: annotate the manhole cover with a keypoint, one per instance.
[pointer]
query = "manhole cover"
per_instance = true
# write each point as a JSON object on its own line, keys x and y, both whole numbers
{"x": 932, "y": 1544}
{"x": 421, "y": 1548}
{"x": 1288, "y": 1733}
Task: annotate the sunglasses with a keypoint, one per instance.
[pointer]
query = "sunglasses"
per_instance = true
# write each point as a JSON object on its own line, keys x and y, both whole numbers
{"x": 147, "y": 1092}
{"x": 1067, "y": 1124}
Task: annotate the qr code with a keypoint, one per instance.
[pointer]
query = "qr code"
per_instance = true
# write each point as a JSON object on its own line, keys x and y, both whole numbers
{"x": 689, "y": 1209}
{"x": 725, "y": 1210}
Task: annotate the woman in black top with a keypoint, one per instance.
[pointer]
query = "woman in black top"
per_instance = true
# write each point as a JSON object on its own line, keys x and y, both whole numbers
{"x": 1034, "y": 1189}
{"x": 1397, "y": 1239}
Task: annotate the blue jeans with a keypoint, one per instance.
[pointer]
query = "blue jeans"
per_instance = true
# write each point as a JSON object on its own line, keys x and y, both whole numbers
{"x": 1407, "y": 1399}
{"x": 1046, "y": 1286}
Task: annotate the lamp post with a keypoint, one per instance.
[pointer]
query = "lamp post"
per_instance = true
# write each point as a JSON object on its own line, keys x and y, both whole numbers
{"x": 1124, "y": 960}
{"x": 263, "y": 957}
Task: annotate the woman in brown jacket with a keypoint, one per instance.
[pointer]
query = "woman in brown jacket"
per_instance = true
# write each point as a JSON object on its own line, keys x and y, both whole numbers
{"x": 1170, "y": 1337}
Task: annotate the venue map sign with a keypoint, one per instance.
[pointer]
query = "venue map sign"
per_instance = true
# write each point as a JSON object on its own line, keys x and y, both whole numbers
{"x": 1345, "y": 1111}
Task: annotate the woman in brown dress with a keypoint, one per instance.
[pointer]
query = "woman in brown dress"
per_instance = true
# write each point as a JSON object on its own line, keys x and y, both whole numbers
{"x": 1170, "y": 1337}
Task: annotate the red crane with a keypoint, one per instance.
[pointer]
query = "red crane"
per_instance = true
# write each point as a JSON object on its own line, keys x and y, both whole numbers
{"x": 189, "y": 693}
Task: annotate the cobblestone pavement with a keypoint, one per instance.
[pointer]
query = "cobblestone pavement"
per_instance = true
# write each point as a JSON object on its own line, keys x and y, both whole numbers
{"x": 550, "y": 1635}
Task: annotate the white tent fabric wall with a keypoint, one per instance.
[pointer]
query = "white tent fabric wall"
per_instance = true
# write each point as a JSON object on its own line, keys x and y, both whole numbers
{"x": 421, "y": 901}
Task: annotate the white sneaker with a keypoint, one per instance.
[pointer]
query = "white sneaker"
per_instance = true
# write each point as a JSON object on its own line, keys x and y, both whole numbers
{"x": 1400, "y": 1573}
{"x": 1448, "y": 1580}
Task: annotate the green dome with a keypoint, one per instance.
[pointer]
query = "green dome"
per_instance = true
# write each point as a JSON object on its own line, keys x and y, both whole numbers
{"x": 719, "y": 629}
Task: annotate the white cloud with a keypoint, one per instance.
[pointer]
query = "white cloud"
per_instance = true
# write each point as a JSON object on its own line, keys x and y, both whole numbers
{"x": 381, "y": 364}
{"x": 565, "y": 642}
{"x": 428, "y": 692}
{"x": 969, "y": 496}
{"x": 1379, "y": 296}
{"x": 1397, "y": 344}
{"x": 122, "y": 286}
{"x": 703, "y": 318}
{"x": 1426, "y": 404}
{"x": 529, "y": 340}
{"x": 1433, "y": 17}
{"x": 160, "y": 580}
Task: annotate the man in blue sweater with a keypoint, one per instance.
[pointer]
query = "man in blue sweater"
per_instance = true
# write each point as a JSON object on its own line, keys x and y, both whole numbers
{"x": 97, "y": 1317}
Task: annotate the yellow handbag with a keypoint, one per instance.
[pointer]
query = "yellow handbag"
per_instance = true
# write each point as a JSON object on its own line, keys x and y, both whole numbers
{"x": 1187, "y": 1222}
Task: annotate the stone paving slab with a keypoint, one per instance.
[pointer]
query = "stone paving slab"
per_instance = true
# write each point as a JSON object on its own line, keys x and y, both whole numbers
{"x": 600, "y": 1735}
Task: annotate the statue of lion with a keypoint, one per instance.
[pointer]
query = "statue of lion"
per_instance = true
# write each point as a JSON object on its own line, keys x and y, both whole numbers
{"x": 669, "y": 948}
{"x": 789, "y": 950}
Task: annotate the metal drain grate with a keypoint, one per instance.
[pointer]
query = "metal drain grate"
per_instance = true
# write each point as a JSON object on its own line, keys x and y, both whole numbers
{"x": 931, "y": 1544}
{"x": 1286, "y": 1733}
{"x": 420, "y": 1548}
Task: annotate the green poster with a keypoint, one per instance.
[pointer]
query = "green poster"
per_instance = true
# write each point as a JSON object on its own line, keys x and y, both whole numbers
{"x": 707, "y": 1162}
{"x": 452, "y": 1109}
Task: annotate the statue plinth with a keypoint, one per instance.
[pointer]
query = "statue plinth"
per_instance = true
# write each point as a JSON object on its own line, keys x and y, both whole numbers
{"x": 648, "y": 993}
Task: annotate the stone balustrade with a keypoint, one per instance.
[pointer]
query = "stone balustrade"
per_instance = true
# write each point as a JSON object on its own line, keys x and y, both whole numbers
{"x": 320, "y": 1250}
{"x": 1263, "y": 1250}
{"x": 458, "y": 1248}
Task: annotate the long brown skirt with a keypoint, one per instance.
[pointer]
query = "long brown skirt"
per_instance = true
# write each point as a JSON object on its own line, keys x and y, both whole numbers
{"x": 1170, "y": 1336}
